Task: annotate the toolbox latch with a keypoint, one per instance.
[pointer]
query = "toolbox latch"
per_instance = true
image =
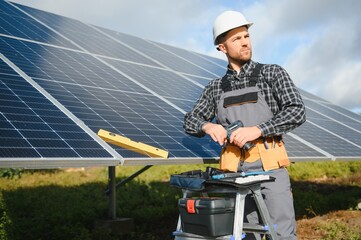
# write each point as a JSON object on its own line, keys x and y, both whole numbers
{"x": 191, "y": 206}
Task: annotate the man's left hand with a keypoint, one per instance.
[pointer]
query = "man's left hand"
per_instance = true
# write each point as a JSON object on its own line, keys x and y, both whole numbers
{"x": 244, "y": 134}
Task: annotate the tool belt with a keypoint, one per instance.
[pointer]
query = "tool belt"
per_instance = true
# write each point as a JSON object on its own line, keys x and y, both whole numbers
{"x": 271, "y": 151}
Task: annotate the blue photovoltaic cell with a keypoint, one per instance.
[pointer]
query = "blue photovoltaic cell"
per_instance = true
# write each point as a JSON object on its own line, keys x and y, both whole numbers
{"x": 339, "y": 128}
{"x": 184, "y": 104}
{"x": 222, "y": 63}
{"x": 175, "y": 63}
{"x": 332, "y": 114}
{"x": 297, "y": 149}
{"x": 166, "y": 58}
{"x": 140, "y": 117}
{"x": 5, "y": 8}
{"x": 64, "y": 66}
{"x": 32, "y": 127}
{"x": 162, "y": 82}
{"x": 326, "y": 141}
{"x": 88, "y": 38}
{"x": 205, "y": 62}
{"x": 16, "y": 23}
{"x": 307, "y": 95}
{"x": 202, "y": 81}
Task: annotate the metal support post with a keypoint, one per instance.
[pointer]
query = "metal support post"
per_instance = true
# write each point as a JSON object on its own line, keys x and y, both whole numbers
{"x": 118, "y": 226}
{"x": 112, "y": 193}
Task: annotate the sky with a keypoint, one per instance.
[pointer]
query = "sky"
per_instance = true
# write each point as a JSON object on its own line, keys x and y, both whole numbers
{"x": 317, "y": 41}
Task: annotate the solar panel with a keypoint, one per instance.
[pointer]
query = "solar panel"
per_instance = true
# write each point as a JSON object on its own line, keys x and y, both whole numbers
{"x": 32, "y": 127}
{"x": 126, "y": 85}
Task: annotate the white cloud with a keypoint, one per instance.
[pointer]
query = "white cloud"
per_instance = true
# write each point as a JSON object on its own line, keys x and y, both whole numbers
{"x": 318, "y": 42}
{"x": 343, "y": 88}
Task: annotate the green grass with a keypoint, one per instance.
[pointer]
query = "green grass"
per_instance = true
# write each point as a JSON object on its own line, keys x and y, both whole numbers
{"x": 339, "y": 230}
{"x": 56, "y": 204}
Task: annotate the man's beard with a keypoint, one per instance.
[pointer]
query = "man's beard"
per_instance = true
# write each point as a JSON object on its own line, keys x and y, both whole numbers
{"x": 242, "y": 60}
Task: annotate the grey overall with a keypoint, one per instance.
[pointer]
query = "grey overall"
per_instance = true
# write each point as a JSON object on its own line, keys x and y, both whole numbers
{"x": 249, "y": 106}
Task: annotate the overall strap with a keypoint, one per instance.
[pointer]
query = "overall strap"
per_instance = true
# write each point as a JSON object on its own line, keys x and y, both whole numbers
{"x": 226, "y": 84}
{"x": 255, "y": 75}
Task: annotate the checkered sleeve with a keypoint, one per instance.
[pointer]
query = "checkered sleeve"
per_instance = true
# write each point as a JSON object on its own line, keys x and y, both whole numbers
{"x": 202, "y": 112}
{"x": 290, "y": 111}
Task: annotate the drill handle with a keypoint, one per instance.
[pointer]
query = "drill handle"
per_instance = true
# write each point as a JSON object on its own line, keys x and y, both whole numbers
{"x": 232, "y": 127}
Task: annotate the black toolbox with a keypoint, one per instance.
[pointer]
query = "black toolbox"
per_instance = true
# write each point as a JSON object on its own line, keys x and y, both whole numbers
{"x": 207, "y": 216}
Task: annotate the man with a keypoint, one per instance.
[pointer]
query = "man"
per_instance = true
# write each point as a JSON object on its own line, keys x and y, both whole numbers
{"x": 266, "y": 101}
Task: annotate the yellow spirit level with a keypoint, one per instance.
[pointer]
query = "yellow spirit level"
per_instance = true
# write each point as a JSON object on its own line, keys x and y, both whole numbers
{"x": 127, "y": 143}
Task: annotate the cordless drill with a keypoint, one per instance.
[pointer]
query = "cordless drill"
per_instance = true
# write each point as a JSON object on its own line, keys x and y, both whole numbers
{"x": 232, "y": 127}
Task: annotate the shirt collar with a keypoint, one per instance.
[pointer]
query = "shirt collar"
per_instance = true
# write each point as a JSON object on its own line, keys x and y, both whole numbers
{"x": 245, "y": 70}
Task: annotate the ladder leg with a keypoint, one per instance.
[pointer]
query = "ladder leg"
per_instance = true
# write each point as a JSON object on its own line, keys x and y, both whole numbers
{"x": 264, "y": 212}
{"x": 179, "y": 223}
{"x": 239, "y": 214}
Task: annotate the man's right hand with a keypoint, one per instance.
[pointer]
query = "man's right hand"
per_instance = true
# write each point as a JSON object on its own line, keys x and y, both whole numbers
{"x": 216, "y": 131}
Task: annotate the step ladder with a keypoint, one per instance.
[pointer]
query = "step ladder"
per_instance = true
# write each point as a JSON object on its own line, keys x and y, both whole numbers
{"x": 239, "y": 227}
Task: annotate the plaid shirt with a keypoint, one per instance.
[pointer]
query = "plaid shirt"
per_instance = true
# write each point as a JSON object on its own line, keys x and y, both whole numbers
{"x": 277, "y": 88}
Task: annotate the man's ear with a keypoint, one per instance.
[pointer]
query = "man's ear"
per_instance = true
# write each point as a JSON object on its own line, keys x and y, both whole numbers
{"x": 221, "y": 48}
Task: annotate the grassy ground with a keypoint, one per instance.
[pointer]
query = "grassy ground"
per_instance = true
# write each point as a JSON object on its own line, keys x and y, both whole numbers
{"x": 66, "y": 204}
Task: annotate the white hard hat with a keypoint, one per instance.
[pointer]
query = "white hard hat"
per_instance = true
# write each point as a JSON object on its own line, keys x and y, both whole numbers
{"x": 228, "y": 20}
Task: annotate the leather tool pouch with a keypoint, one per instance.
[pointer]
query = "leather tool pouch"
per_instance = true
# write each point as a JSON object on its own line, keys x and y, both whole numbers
{"x": 274, "y": 158}
{"x": 230, "y": 157}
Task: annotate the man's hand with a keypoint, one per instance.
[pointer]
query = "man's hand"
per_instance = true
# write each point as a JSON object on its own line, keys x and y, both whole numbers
{"x": 216, "y": 131}
{"x": 244, "y": 134}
